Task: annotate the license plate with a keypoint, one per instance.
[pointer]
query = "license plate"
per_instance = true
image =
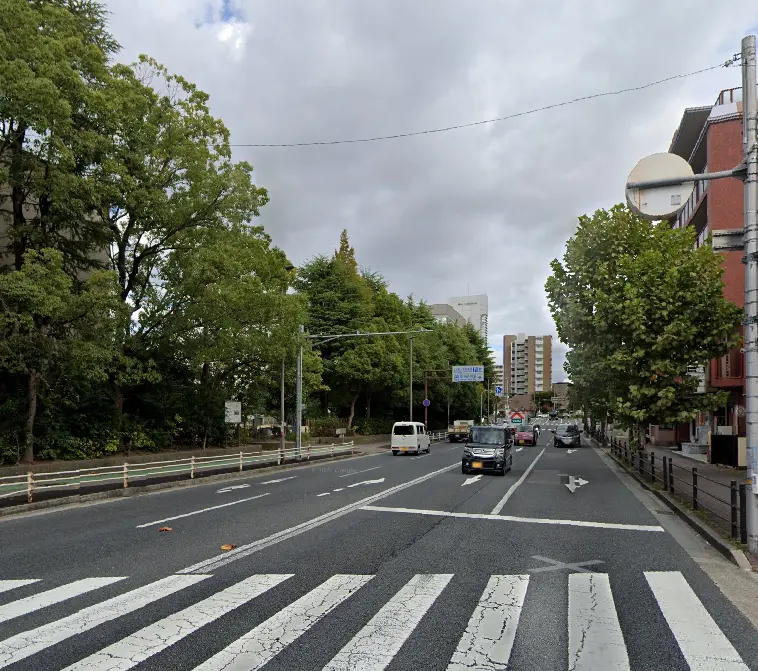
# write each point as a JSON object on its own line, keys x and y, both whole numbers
{"x": 520, "y": 442}
{"x": 476, "y": 464}
{"x": 403, "y": 449}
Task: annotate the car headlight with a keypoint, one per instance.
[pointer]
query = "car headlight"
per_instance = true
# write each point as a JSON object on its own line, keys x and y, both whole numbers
{"x": 467, "y": 451}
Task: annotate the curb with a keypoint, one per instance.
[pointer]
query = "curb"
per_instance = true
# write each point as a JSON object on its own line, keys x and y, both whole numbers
{"x": 711, "y": 535}
{"x": 138, "y": 490}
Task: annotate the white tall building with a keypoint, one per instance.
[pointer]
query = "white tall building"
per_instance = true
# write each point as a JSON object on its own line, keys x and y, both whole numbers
{"x": 474, "y": 309}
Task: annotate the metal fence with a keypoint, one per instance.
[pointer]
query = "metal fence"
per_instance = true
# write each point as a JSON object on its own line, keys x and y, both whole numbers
{"x": 722, "y": 505}
{"x": 29, "y": 487}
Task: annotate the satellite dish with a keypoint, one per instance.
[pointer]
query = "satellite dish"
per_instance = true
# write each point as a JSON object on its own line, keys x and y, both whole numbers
{"x": 660, "y": 202}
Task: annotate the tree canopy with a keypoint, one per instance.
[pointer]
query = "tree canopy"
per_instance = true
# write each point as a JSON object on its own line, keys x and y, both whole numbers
{"x": 639, "y": 305}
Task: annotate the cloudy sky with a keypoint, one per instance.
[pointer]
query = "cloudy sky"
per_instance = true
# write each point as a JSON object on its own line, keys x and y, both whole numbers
{"x": 481, "y": 209}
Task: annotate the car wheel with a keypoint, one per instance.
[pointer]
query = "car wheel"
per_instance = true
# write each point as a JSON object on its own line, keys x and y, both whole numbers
{"x": 464, "y": 470}
{"x": 501, "y": 472}
{"x": 394, "y": 453}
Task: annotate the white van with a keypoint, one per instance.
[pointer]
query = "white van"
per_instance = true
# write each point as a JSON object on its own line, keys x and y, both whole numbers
{"x": 409, "y": 437}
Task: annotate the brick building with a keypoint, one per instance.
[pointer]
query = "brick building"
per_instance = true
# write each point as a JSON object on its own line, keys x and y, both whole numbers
{"x": 710, "y": 139}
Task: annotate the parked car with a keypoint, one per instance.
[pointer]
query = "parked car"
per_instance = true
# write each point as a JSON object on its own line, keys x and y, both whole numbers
{"x": 488, "y": 449}
{"x": 567, "y": 435}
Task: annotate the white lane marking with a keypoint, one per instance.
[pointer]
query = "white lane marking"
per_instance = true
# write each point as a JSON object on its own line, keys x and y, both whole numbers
{"x": 518, "y": 449}
{"x": 366, "y": 482}
{"x": 595, "y": 640}
{"x": 702, "y": 643}
{"x": 348, "y": 475}
{"x": 203, "y": 510}
{"x": 513, "y": 487}
{"x": 256, "y": 546}
{"x": 374, "y": 646}
{"x": 487, "y": 642}
{"x": 52, "y": 596}
{"x": 468, "y": 481}
{"x": 511, "y": 518}
{"x": 29, "y": 643}
{"x": 324, "y": 494}
{"x": 261, "y": 644}
{"x": 271, "y": 482}
{"x": 229, "y": 489}
{"x": 339, "y": 489}
{"x": 143, "y": 644}
{"x": 7, "y": 585}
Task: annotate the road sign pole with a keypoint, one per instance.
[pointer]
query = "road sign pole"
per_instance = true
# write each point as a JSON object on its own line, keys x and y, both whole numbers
{"x": 750, "y": 138}
{"x": 410, "y": 385}
{"x": 299, "y": 395}
{"x": 426, "y": 406}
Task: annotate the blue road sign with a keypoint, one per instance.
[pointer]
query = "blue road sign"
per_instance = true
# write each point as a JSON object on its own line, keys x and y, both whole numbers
{"x": 427, "y": 403}
{"x": 468, "y": 373}
{"x": 498, "y": 391}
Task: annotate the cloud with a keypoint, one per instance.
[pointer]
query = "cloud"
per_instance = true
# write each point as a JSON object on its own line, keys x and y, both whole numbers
{"x": 487, "y": 206}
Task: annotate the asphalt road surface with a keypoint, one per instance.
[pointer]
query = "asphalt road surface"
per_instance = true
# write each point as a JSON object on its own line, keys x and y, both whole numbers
{"x": 376, "y": 562}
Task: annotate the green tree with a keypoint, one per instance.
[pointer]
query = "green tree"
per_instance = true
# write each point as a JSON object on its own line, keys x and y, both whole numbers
{"x": 47, "y": 327}
{"x": 641, "y": 306}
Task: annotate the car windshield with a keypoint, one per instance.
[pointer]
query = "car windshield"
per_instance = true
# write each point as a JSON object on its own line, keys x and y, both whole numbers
{"x": 566, "y": 430}
{"x": 526, "y": 429}
{"x": 485, "y": 435}
{"x": 403, "y": 430}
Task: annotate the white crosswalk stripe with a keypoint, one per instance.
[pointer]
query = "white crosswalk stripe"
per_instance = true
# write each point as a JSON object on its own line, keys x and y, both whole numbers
{"x": 595, "y": 636}
{"x": 269, "y": 638}
{"x": 130, "y": 651}
{"x": 7, "y": 585}
{"x": 52, "y": 596}
{"x": 374, "y": 646}
{"x": 702, "y": 643}
{"x": 28, "y": 643}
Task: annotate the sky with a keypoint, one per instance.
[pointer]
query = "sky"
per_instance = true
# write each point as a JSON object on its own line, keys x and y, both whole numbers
{"x": 482, "y": 209}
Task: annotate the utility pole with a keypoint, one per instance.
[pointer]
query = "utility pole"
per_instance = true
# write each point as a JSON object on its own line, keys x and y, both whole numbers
{"x": 426, "y": 395}
{"x": 489, "y": 388}
{"x": 750, "y": 146}
{"x": 299, "y": 397}
{"x": 650, "y": 198}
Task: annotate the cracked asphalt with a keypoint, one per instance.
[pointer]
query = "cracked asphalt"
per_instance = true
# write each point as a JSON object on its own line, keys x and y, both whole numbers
{"x": 401, "y": 566}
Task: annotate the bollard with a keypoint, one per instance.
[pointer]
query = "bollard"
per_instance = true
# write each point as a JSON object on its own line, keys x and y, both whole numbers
{"x": 29, "y": 486}
{"x": 671, "y": 475}
{"x": 192, "y": 466}
{"x": 240, "y": 462}
{"x": 743, "y": 515}
{"x": 733, "y": 507}
{"x": 694, "y": 488}
{"x": 126, "y": 475}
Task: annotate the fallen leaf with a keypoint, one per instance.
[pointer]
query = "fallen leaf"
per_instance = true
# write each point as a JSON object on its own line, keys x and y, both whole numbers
{"x": 228, "y": 546}
{"x": 165, "y": 529}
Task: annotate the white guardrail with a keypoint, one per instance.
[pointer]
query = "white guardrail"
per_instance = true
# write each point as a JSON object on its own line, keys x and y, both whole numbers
{"x": 437, "y": 436}
{"x": 124, "y": 475}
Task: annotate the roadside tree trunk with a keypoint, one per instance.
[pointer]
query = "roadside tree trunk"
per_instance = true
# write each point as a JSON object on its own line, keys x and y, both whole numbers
{"x": 32, "y": 385}
{"x": 352, "y": 411}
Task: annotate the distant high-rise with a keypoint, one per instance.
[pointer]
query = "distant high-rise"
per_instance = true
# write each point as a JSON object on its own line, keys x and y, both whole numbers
{"x": 475, "y": 310}
{"x": 526, "y": 366}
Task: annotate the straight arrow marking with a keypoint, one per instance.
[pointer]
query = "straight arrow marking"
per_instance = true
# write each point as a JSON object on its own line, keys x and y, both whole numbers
{"x": 476, "y": 478}
{"x": 366, "y": 482}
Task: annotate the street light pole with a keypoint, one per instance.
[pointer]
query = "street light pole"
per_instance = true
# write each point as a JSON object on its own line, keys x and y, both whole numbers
{"x": 299, "y": 396}
{"x": 410, "y": 384}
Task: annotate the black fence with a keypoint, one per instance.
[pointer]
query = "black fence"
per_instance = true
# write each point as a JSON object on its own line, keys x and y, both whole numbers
{"x": 724, "y": 506}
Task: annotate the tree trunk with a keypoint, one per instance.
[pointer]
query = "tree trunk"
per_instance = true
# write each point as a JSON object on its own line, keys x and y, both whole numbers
{"x": 118, "y": 404}
{"x": 368, "y": 407}
{"x": 32, "y": 382}
{"x": 352, "y": 412}
{"x": 204, "y": 377}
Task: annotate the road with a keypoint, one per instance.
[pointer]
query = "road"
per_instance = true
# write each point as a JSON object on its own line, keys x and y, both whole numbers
{"x": 376, "y": 562}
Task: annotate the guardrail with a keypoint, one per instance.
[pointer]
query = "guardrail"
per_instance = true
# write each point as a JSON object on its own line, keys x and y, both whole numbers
{"x": 437, "y": 436}
{"x": 31, "y": 486}
{"x": 723, "y": 505}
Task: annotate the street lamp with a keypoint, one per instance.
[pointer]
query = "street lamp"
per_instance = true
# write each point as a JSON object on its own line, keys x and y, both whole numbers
{"x": 320, "y": 339}
{"x": 289, "y": 268}
{"x": 410, "y": 385}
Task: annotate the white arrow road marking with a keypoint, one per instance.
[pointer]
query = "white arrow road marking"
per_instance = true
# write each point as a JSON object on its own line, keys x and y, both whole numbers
{"x": 579, "y": 482}
{"x": 570, "y": 451}
{"x": 366, "y": 482}
{"x": 229, "y": 489}
{"x": 574, "y": 483}
{"x": 271, "y": 482}
{"x": 476, "y": 478}
{"x": 324, "y": 494}
{"x": 518, "y": 449}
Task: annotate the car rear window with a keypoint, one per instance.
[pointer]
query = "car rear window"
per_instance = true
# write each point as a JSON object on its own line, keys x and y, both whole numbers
{"x": 404, "y": 430}
{"x": 567, "y": 430}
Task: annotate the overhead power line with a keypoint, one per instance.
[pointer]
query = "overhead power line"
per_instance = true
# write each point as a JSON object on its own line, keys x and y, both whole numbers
{"x": 515, "y": 115}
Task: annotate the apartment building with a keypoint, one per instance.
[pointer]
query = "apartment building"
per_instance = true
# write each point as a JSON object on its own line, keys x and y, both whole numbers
{"x": 498, "y": 379}
{"x": 475, "y": 310}
{"x": 526, "y": 367}
{"x": 710, "y": 139}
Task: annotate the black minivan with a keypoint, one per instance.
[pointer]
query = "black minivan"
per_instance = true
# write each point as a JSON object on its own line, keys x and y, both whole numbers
{"x": 488, "y": 449}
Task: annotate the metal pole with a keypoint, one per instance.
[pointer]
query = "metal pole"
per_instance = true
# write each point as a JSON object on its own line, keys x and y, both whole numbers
{"x": 410, "y": 386}
{"x": 426, "y": 395}
{"x": 489, "y": 387}
{"x": 299, "y": 395}
{"x": 750, "y": 139}
{"x": 281, "y": 404}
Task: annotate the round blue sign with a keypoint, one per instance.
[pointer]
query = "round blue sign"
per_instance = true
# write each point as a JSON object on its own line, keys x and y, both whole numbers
{"x": 427, "y": 402}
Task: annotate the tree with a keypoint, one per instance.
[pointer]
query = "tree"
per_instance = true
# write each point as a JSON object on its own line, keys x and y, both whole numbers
{"x": 542, "y": 398}
{"x": 47, "y": 327}
{"x": 641, "y": 306}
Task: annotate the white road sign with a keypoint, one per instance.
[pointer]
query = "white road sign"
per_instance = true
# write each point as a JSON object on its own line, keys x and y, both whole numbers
{"x": 233, "y": 412}
{"x": 468, "y": 373}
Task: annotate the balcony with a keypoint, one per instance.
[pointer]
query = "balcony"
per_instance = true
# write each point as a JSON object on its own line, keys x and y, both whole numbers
{"x": 690, "y": 209}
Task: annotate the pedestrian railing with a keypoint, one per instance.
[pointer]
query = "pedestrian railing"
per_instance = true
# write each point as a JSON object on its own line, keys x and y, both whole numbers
{"x": 32, "y": 486}
{"x": 723, "y": 505}
{"x": 437, "y": 436}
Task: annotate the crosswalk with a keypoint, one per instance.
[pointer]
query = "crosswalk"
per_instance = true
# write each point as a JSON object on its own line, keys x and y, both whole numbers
{"x": 594, "y": 631}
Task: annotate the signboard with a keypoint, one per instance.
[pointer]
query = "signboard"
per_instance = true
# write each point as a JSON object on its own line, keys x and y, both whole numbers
{"x": 427, "y": 402}
{"x": 517, "y": 420}
{"x": 498, "y": 391}
{"x": 516, "y": 417}
{"x": 233, "y": 412}
{"x": 468, "y": 373}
